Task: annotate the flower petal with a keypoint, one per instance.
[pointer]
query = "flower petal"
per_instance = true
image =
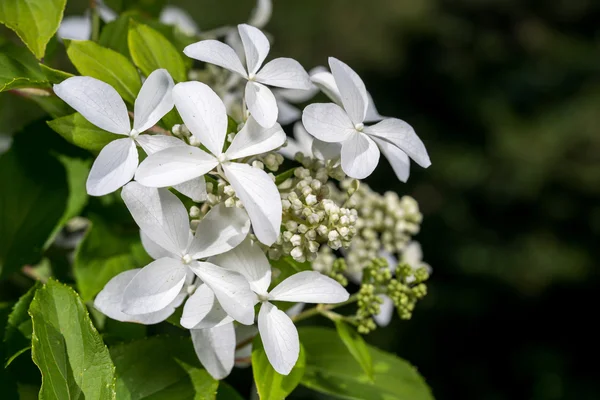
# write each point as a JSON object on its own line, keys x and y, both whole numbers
{"x": 215, "y": 52}
{"x": 155, "y": 143}
{"x": 114, "y": 167}
{"x": 253, "y": 139}
{"x": 203, "y": 113}
{"x": 325, "y": 81}
{"x": 279, "y": 337}
{"x": 386, "y": 311}
{"x": 352, "y": 90}
{"x": 161, "y": 215}
{"x": 286, "y": 73}
{"x": 174, "y": 165}
{"x": 326, "y": 151}
{"x": 302, "y": 143}
{"x": 153, "y": 101}
{"x": 309, "y": 287}
{"x": 202, "y": 310}
{"x": 215, "y": 348}
{"x": 231, "y": 289}
{"x": 154, "y": 287}
{"x": 260, "y": 198}
{"x": 360, "y": 156}
{"x": 97, "y": 101}
{"x": 401, "y": 135}
{"x": 152, "y": 248}
{"x": 221, "y": 229}
{"x": 256, "y": 46}
{"x": 261, "y": 14}
{"x": 327, "y": 122}
{"x": 75, "y": 28}
{"x": 175, "y": 16}
{"x": 249, "y": 260}
{"x": 108, "y": 301}
{"x": 372, "y": 113}
{"x": 261, "y": 104}
{"x": 195, "y": 189}
{"x": 398, "y": 159}
{"x": 286, "y": 112}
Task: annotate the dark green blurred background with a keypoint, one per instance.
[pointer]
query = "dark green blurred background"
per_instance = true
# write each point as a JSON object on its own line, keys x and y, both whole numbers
{"x": 506, "y": 96}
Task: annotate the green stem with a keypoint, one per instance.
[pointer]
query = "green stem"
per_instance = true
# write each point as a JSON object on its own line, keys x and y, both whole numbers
{"x": 95, "y": 25}
{"x": 325, "y": 310}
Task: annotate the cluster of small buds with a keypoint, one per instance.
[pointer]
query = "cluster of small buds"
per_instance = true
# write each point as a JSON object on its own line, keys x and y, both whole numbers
{"x": 271, "y": 161}
{"x": 310, "y": 217}
{"x": 222, "y": 192}
{"x": 369, "y": 304}
{"x": 338, "y": 270}
{"x": 323, "y": 169}
{"x": 407, "y": 288}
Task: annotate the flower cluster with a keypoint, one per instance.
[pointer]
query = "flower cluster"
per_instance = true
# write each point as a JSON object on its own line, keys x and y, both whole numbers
{"x": 213, "y": 259}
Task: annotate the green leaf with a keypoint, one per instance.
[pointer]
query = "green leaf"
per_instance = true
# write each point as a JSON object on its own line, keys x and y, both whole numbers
{"x": 17, "y": 336}
{"x": 33, "y": 201}
{"x": 35, "y": 21}
{"x": 82, "y": 133}
{"x": 226, "y": 392}
{"x": 114, "y": 35}
{"x": 282, "y": 177}
{"x": 69, "y": 352}
{"x": 205, "y": 385}
{"x": 20, "y": 69}
{"x": 270, "y": 384}
{"x": 105, "y": 252}
{"x": 356, "y": 346}
{"x": 107, "y": 65}
{"x": 150, "y": 368}
{"x": 287, "y": 267}
{"x": 54, "y": 75}
{"x": 150, "y": 50}
{"x": 331, "y": 369}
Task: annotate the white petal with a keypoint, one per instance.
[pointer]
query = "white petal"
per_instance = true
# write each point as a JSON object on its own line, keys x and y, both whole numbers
{"x": 256, "y": 46}
{"x": 97, "y": 101}
{"x": 75, "y": 28}
{"x": 175, "y": 16}
{"x": 215, "y": 348}
{"x": 297, "y": 95}
{"x": 249, "y": 260}
{"x": 155, "y": 143}
{"x": 106, "y": 14}
{"x": 174, "y": 165}
{"x": 231, "y": 289}
{"x": 287, "y": 113}
{"x": 309, "y": 287}
{"x": 360, "y": 156}
{"x": 195, "y": 189}
{"x": 202, "y": 310}
{"x": 261, "y": 14}
{"x": 221, "y": 229}
{"x": 372, "y": 113}
{"x": 386, "y": 311}
{"x": 286, "y": 73}
{"x": 244, "y": 334}
{"x": 203, "y": 112}
{"x": 253, "y": 139}
{"x": 153, "y": 249}
{"x": 108, "y": 302}
{"x": 413, "y": 254}
{"x": 401, "y": 135}
{"x": 260, "y": 198}
{"x": 261, "y": 104}
{"x": 398, "y": 159}
{"x": 327, "y": 122}
{"x": 215, "y": 52}
{"x": 302, "y": 143}
{"x": 279, "y": 337}
{"x": 114, "y": 167}
{"x": 154, "y": 287}
{"x": 160, "y": 214}
{"x": 352, "y": 90}
{"x": 326, "y": 151}
{"x": 325, "y": 81}
{"x": 153, "y": 101}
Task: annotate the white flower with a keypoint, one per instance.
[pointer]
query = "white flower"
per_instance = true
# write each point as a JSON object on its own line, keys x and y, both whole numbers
{"x": 304, "y": 143}
{"x": 278, "y": 333}
{"x": 153, "y": 292}
{"x": 361, "y": 145}
{"x": 204, "y": 115}
{"x": 79, "y": 27}
{"x": 280, "y": 72}
{"x": 100, "y": 104}
{"x": 175, "y": 16}
{"x": 261, "y": 13}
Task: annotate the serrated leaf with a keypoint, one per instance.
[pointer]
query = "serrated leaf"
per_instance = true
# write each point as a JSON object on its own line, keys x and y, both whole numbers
{"x": 34, "y": 21}
{"x": 73, "y": 360}
{"x": 332, "y": 370}
{"x": 150, "y": 50}
{"x": 356, "y": 346}
{"x": 205, "y": 386}
{"x": 105, "y": 252}
{"x": 17, "y": 336}
{"x": 270, "y": 384}
{"x": 150, "y": 368}
{"x": 20, "y": 69}
{"x": 107, "y": 65}
{"x": 82, "y": 133}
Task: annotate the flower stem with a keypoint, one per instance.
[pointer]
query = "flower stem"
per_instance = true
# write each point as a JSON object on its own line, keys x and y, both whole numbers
{"x": 325, "y": 310}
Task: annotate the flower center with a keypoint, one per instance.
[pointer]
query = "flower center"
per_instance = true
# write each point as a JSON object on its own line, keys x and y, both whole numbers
{"x": 359, "y": 127}
{"x": 262, "y": 297}
{"x": 134, "y": 133}
{"x": 222, "y": 158}
{"x": 251, "y": 76}
{"x": 186, "y": 259}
